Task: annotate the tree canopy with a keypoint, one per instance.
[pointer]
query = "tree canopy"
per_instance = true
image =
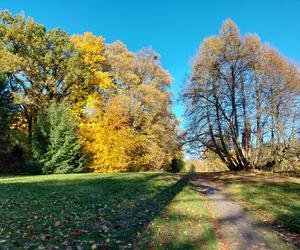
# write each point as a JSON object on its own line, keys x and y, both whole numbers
{"x": 121, "y": 108}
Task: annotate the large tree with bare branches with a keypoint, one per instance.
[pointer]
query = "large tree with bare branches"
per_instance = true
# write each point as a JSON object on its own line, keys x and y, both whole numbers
{"x": 241, "y": 101}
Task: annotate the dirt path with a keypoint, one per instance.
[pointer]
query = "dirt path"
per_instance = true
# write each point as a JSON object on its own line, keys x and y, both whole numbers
{"x": 239, "y": 230}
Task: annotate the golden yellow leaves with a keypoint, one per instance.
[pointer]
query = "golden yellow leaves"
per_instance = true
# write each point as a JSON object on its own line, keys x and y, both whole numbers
{"x": 103, "y": 80}
{"x": 107, "y": 135}
{"x": 92, "y": 49}
{"x": 120, "y": 128}
{"x": 91, "y": 53}
{"x": 8, "y": 61}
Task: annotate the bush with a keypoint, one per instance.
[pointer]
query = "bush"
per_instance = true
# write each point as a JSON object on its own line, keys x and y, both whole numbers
{"x": 176, "y": 165}
{"x": 32, "y": 167}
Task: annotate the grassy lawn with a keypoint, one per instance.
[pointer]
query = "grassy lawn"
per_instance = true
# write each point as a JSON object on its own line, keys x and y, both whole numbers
{"x": 272, "y": 199}
{"x": 178, "y": 226}
{"x": 103, "y": 211}
{"x": 277, "y": 202}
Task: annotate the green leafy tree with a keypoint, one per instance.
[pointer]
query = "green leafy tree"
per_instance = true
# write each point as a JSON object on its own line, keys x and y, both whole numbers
{"x": 176, "y": 165}
{"x": 56, "y": 145}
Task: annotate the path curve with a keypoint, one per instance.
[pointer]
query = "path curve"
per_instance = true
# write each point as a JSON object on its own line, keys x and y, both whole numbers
{"x": 239, "y": 230}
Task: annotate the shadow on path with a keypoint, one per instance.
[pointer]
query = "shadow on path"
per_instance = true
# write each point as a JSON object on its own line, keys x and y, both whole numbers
{"x": 239, "y": 230}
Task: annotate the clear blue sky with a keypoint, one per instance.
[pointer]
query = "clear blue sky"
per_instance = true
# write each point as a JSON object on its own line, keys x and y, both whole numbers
{"x": 174, "y": 28}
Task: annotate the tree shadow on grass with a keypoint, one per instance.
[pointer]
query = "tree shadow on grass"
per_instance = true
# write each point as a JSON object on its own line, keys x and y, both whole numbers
{"x": 185, "y": 224}
{"x": 281, "y": 200}
{"x": 175, "y": 232}
{"x": 204, "y": 240}
{"x": 109, "y": 211}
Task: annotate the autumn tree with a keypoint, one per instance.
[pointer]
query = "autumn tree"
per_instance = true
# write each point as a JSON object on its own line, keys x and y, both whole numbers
{"x": 131, "y": 127}
{"x": 91, "y": 51}
{"x": 45, "y": 66}
{"x": 143, "y": 84}
{"x": 108, "y": 138}
{"x": 42, "y": 66}
{"x": 277, "y": 106}
{"x": 231, "y": 97}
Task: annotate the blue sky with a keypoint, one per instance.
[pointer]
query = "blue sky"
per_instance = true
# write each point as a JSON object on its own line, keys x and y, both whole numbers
{"x": 174, "y": 28}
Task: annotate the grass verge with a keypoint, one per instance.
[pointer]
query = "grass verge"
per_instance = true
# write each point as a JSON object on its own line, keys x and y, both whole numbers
{"x": 271, "y": 199}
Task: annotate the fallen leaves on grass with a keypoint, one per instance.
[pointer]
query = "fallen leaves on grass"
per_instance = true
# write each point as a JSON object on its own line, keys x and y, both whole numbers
{"x": 83, "y": 211}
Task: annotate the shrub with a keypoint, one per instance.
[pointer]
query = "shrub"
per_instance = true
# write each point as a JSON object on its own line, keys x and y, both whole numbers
{"x": 176, "y": 165}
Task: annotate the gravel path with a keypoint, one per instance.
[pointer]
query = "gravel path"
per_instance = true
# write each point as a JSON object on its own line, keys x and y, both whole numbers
{"x": 239, "y": 230}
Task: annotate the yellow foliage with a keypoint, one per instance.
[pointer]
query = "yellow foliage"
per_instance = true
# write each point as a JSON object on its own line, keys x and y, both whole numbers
{"x": 131, "y": 129}
{"x": 107, "y": 136}
{"x": 91, "y": 50}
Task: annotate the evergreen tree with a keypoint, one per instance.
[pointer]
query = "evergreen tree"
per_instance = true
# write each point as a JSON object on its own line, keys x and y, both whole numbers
{"x": 56, "y": 143}
{"x": 7, "y": 109}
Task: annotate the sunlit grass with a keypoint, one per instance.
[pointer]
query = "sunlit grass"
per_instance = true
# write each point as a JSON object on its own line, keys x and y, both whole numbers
{"x": 184, "y": 224}
{"x": 101, "y": 210}
{"x": 276, "y": 202}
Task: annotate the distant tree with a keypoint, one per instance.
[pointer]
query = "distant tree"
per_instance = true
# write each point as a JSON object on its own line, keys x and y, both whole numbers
{"x": 56, "y": 144}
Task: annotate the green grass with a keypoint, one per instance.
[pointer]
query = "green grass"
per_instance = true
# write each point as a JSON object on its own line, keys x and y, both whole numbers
{"x": 184, "y": 224}
{"x": 103, "y": 211}
{"x": 274, "y": 202}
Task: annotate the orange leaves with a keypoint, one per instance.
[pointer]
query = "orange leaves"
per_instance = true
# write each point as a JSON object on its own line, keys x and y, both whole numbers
{"x": 253, "y": 42}
{"x": 236, "y": 81}
{"x": 275, "y": 66}
{"x": 229, "y": 28}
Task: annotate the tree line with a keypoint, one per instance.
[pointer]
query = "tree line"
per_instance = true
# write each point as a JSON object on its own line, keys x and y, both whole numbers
{"x": 74, "y": 104}
{"x": 242, "y": 103}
